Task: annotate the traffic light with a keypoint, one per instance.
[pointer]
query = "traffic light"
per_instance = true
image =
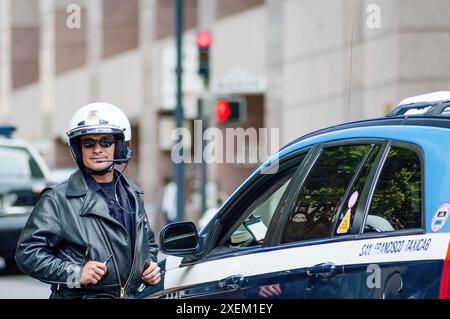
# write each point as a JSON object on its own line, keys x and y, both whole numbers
{"x": 203, "y": 41}
{"x": 229, "y": 110}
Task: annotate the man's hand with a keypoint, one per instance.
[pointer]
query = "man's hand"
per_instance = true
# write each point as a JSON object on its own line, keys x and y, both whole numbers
{"x": 152, "y": 274}
{"x": 92, "y": 272}
{"x": 269, "y": 290}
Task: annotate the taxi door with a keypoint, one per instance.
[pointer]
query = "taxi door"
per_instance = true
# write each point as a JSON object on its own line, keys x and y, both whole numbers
{"x": 393, "y": 256}
{"x": 314, "y": 237}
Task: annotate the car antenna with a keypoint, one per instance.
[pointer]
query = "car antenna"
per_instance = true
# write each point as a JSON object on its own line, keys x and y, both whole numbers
{"x": 350, "y": 78}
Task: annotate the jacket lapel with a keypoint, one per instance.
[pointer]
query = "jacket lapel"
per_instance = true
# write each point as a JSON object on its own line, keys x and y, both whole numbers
{"x": 93, "y": 203}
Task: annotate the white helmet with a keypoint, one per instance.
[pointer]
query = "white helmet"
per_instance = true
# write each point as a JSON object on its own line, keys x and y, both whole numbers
{"x": 100, "y": 118}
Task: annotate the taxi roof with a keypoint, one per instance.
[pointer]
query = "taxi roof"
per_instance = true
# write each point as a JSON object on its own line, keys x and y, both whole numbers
{"x": 431, "y": 109}
{"x": 420, "y": 120}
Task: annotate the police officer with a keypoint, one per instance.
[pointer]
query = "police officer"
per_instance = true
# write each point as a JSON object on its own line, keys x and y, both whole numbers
{"x": 89, "y": 237}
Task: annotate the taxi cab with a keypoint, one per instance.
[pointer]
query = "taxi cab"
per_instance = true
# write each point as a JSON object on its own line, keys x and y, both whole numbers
{"x": 358, "y": 210}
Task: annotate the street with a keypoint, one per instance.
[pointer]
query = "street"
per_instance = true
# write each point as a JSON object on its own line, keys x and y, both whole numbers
{"x": 22, "y": 287}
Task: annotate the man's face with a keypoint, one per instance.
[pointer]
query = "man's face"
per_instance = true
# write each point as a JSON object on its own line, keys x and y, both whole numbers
{"x": 100, "y": 151}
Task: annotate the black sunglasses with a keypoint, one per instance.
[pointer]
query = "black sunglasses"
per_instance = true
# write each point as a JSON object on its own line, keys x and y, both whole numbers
{"x": 104, "y": 142}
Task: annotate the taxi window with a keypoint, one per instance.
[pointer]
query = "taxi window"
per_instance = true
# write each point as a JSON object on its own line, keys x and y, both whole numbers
{"x": 347, "y": 213}
{"x": 248, "y": 223}
{"x": 316, "y": 206}
{"x": 397, "y": 200}
{"x": 254, "y": 228}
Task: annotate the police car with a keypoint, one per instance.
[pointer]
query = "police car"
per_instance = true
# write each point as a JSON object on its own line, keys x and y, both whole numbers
{"x": 23, "y": 175}
{"x": 358, "y": 210}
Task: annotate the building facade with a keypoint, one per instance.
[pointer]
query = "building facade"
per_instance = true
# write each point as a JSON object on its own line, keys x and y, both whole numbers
{"x": 300, "y": 65}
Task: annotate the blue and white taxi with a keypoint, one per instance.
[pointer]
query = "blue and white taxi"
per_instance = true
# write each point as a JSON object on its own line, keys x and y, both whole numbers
{"x": 358, "y": 210}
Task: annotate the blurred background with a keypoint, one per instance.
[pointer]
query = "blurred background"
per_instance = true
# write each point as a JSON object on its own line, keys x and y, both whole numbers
{"x": 299, "y": 65}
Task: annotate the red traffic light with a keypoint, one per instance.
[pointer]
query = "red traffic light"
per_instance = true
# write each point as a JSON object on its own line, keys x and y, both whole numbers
{"x": 223, "y": 110}
{"x": 203, "y": 40}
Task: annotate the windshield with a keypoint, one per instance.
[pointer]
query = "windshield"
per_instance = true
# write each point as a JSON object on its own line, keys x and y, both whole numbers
{"x": 16, "y": 162}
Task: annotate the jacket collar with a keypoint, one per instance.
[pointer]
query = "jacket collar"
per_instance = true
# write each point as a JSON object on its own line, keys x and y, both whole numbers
{"x": 93, "y": 203}
{"x": 78, "y": 187}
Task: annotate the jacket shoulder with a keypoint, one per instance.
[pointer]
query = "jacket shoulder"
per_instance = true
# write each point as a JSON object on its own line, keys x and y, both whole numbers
{"x": 52, "y": 190}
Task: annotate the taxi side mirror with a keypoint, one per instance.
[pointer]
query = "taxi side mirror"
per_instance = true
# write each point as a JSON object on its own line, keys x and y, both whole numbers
{"x": 180, "y": 239}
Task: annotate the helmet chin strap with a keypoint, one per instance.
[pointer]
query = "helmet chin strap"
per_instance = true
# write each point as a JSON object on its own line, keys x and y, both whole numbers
{"x": 101, "y": 172}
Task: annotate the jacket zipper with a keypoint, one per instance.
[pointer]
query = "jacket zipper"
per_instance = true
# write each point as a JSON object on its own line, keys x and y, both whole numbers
{"x": 123, "y": 288}
{"x": 116, "y": 266}
{"x": 86, "y": 255}
{"x": 138, "y": 222}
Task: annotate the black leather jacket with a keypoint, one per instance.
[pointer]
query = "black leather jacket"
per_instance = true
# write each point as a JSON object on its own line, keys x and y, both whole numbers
{"x": 71, "y": 225}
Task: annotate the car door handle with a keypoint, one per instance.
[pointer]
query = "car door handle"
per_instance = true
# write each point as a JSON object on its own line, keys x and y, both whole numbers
{"x": 325, "y": 270}
{"x": 232, "y": 282}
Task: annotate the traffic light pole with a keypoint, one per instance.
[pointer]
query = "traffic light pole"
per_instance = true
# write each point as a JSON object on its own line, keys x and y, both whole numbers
{"x": 179, "y": 167}
{"x": 203, "y": 41}
{"x": 204, "y": 166}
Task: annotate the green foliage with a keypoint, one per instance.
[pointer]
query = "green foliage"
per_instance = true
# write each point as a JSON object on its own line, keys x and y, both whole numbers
{"x": 331, "y": 176}
{"x": 323, "y": 191}
{"x": 398, "y": 194}
{"x": 397, "y": 198}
